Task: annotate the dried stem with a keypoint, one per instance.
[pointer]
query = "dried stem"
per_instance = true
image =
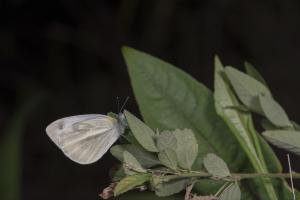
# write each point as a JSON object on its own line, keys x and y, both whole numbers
{"x": 291, "y": 176}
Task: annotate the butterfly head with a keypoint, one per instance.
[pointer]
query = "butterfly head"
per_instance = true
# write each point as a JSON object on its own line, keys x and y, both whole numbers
{"x": 122, "y": 122}
{"x": 121, "y": 117}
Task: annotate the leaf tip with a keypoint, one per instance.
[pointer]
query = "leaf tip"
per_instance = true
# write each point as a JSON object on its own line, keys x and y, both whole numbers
{"x": 129, "y": 51}
{"x": 125, "y": 49}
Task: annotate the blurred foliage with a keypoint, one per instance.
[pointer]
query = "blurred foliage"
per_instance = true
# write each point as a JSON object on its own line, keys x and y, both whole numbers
{"x": 11, "y": 148}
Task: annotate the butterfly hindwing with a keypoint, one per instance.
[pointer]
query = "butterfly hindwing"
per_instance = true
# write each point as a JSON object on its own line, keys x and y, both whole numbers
{"x": 84, "y": 138}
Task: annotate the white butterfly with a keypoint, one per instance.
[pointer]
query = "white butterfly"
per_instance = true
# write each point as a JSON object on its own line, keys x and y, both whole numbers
{"x": 86, "y": 138}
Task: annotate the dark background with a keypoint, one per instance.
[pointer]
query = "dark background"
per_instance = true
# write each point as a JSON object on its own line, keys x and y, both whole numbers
{"x": 62, "y": 57}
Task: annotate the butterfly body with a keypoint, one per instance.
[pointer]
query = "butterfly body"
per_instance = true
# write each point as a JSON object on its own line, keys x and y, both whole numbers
{"x": 86, "y": 138}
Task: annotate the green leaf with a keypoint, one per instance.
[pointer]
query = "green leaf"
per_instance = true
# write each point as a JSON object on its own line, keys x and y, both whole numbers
{"x": 274, "y": 112}
{"x": 143, "y": 134}
{"x": 172, "y": 187}
{"x": 272, "y": 162}
{"x": 256, "y": 141}
{"x": 132, "y": 162}
{"x": 166, "y": 140}
{"x": 238, "y": 121}
{"x": 251, "y": 71}
{"x": 187, "y": 147}
{"x": 128, "y": 137}
{"x": 296, "y": 126}
{"x": 274, "y": 166}
{"x": 145, "y": 158}
{"x": 130, "y": 182}
{"x": 155, "y": 181}
{"x": 169, "y": 98}
{"x": 285, "y": 192}
{"x": 168, "y": 158}
{"x": 267, "y": 125}
{"x": 233, "y": 192}
{"x": 216, "y": 166}
{"x": 146, "y": 196}
{"x": 247, "y": 88}
{"x": 212, "y": 186}
{"x": 288, "y": 140}
{"x": 118, "y": 174}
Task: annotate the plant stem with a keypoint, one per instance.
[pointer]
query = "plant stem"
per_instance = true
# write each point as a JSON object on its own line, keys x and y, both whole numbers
{"x": 269, "y": 175}
{"x": 233, "y": 177}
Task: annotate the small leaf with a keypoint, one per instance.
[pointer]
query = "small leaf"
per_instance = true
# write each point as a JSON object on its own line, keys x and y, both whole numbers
{"x": 247, "y": 88}
{"x": 130, "y": 182}
{"x": 131, "y": 161}
{"x": 141, "y": 132}
{"x": 168, "y": 158}
{"x": 288, "y": 140}
{"x": 216, "y": 166}
{"x": 145, "y": 158}
{"x": 267, "y": 125}
{"x": 166, "y": 140}
{"x": 187, "y": 147}
{"x": 274, "y": 112}
{"x": 296, "y": 126}
{"x": 129, "y": 137}
{"x": 233, "y": 192}
{"x": 118, "y": 174}
{"x": 170, "y": 188}
{"x": 251, "y": 71}
{"x": 155, "y": 181}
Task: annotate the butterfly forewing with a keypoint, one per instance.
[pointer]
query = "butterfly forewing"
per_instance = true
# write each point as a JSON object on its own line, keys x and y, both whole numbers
{"x": 84, "y": 138}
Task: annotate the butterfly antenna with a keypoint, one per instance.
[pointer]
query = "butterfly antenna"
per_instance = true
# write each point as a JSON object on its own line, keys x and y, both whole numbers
{"x": 126, "y": 100}
{"x": 118, "y": 104}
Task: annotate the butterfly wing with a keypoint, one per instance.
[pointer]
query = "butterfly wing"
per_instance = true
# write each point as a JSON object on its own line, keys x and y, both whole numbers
{"x": 84, "y": 138}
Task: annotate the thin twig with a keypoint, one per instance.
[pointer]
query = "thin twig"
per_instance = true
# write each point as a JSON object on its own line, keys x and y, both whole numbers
{"x": 291, "y": 176}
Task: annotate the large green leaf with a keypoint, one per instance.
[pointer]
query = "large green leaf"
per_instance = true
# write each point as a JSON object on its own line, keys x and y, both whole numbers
{"x": 225, "y": 102}
{"x": 169, "y": 98}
